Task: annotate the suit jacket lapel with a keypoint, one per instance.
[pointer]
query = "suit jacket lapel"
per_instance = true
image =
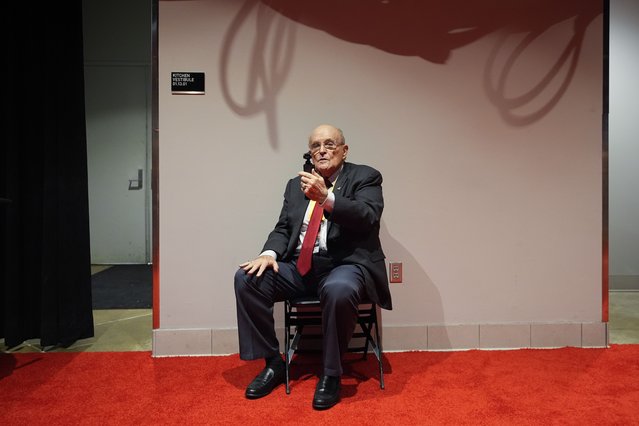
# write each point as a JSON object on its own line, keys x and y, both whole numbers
{"x": 338, "y": 189}
{"x": 298, "y": 206}
{"x": 342, "y": 179}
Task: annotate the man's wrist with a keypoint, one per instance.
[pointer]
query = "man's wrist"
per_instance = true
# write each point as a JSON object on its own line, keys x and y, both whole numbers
{"x": 328, "y": 202}
{"x": 269, "y": 253}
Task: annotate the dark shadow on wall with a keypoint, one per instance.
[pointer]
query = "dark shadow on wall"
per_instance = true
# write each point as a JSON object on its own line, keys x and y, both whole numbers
{"x": 421, "y": 286}
{"x": 546, "y": 92}
{"x": 269, "y": 62}
{"x": 429, "y": 29}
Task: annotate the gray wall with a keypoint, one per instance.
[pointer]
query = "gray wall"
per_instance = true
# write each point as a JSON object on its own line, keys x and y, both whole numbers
{"x": 624, "y": 144}
{"x": 490, "y": 147}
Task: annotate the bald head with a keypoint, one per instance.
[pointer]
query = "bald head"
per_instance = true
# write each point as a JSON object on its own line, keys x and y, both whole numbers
{"x": 328, "y": 149}
{"x": 322, "y": 128}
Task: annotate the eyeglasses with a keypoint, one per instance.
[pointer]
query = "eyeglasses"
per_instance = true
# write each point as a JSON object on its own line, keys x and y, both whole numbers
{"x": 329, "y": 145}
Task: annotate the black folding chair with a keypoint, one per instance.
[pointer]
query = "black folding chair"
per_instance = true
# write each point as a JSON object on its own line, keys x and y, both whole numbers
{"x": 306, "y": 312}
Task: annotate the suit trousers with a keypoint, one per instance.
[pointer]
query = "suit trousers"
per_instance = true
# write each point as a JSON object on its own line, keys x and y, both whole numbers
{"x": 340, "y": 289}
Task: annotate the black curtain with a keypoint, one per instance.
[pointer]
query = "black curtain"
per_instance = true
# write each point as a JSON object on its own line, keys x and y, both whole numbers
{"x": 45, "y": 263}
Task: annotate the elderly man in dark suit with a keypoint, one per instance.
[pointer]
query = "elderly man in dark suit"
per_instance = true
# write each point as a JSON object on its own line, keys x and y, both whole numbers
{"x": 326, "y": 243}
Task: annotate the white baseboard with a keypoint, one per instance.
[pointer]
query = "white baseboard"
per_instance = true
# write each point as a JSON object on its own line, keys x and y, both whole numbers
{"x": 202, "y": 342}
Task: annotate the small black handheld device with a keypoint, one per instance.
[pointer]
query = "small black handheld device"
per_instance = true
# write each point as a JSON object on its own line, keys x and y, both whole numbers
{"x": 308, "y": 166}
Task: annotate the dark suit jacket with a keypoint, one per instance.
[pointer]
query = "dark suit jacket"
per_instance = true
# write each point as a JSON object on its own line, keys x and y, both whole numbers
{"x": 353, "y": 233}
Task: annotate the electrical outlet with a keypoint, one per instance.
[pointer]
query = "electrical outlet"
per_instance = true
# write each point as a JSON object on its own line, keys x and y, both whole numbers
{"x": 395, "y": 272}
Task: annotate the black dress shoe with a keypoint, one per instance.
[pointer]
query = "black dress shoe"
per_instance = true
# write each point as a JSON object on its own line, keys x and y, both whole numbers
{"x": 268, "y": 379}
{"x": 326, "y": 392}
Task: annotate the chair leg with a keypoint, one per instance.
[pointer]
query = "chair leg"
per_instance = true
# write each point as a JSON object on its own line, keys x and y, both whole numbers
{"x": 375, "y": 343}
{"x": 287, "y": 340}
{"x": 290, "y": 351}
{"x": 367, "y": 332}
{"x": 378, "y": 353}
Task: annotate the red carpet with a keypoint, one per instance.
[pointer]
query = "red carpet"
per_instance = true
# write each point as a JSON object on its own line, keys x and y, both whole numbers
{"x": 557, "y": 386}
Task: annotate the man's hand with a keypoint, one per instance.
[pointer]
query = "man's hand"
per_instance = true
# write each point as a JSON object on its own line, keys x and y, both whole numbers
{"x": 260, "y": 264}
{"x": 313, "y": 186}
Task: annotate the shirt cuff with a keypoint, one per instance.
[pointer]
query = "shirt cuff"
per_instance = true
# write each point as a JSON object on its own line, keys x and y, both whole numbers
{"x": 329, "y": 202}
{"x": 269, "y": 253}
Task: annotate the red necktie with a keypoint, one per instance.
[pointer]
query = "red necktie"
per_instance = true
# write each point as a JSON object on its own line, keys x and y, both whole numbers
{"x": 306, "y": 253}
